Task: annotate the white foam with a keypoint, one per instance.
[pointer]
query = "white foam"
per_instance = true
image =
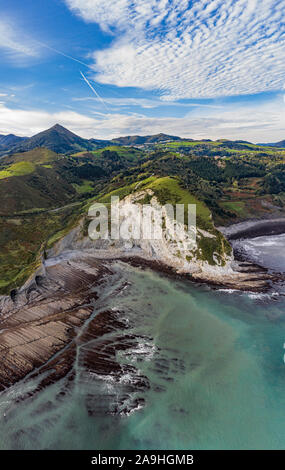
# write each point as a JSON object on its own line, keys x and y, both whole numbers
{"x": 259, "y": 295}
{"x": 228, "y": 291}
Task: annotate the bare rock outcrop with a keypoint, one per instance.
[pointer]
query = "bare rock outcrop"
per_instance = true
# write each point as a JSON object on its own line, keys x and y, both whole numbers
{"x": 43, "y": 318}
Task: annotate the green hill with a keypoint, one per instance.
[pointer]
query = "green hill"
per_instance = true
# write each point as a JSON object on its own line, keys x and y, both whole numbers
{"x": 37, "y": 155}
{"x": 146, "y": 139}
{"x": 30, "y": 181}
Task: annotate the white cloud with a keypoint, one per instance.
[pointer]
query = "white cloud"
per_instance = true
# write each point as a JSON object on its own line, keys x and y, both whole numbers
{"x": 15, "y": 44}
{"x": 125, "y": 102}
{"x": 144, "y": 102}
{"x": 204, "y": 48}
{"x": 261, "y": 123}
{"x": 29, "y": 122}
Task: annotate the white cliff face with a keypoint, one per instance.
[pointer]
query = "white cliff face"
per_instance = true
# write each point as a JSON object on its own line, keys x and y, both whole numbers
{"x": 182, "y": 251}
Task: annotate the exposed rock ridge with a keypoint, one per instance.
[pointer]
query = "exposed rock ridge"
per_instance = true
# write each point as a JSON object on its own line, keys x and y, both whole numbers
{"x": 43, "y": 318}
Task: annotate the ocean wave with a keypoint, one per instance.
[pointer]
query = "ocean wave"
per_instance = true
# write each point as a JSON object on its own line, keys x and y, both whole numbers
{"x": 251, "y": 294}
{"x": 142, "y": 349}
{"x": 260, "y": 295}
{"x": 229, "y": 291}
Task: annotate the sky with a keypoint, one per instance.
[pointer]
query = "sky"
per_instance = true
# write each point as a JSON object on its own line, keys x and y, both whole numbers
{"x": 106, "y": 68}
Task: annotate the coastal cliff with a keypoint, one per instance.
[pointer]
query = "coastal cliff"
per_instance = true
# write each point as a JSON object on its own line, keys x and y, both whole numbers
{"x": 206, "y": 258}
{"x": 41, "y": 321}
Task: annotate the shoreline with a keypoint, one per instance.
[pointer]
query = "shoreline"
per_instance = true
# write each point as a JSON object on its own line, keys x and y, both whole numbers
{"x": 253, "y": 277}
{"x": 50, "y": 311}
{"x": 253, "y": 228}
{"x": 54, "y": 361}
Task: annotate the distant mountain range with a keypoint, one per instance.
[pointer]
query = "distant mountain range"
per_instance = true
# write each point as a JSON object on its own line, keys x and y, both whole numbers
{"x": 57, "y": 138}
{"x": 7, "y": 141}
{"x": 145, "y": 139}
{"x": 280, "y": 144}
{"x": 62, "y": 141}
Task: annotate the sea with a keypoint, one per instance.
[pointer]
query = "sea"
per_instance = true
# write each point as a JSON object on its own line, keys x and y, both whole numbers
{"x": 204, "y": 369}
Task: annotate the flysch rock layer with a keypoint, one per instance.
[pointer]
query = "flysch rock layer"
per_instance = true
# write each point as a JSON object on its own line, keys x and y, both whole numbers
{"x": 44, "y": 317}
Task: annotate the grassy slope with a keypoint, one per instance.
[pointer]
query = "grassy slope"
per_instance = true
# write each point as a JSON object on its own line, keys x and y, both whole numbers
{"x": 21, "y": 164}
{"x": 129, "y": 154}
{"x": 169, "y": 191}
{"x": 29, "y": 181}
{"x": 23, "y": 240}
{"x": 40, "y": 190}
{"x": 37, "y": 156}
{"x": 85, "y": 187}
{"x": 17, "y": 169}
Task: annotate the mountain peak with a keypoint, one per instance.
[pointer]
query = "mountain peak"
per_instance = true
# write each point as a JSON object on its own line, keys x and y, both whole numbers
{"x": 58, "y": 139}
{"x": 58, "y": 128}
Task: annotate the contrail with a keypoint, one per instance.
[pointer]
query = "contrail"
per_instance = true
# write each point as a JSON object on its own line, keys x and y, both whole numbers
{"x": 63, "y": 54}
{"x": 93, "y": 89}
{"x": 80, "y": 62}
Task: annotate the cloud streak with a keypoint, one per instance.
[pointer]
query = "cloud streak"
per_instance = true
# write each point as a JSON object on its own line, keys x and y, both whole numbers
{"x": 202, "y": 48}
{"x": 15, "y": 45}
{"x": 146, "y": 102}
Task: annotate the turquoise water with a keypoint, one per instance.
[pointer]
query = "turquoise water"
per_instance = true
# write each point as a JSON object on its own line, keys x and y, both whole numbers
{"x": 214, "y": 364}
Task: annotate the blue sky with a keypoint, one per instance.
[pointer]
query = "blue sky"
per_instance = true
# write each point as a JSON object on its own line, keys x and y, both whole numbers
{"x": 104, "y": 68}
